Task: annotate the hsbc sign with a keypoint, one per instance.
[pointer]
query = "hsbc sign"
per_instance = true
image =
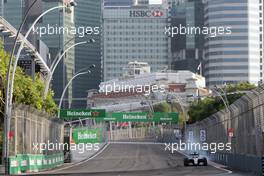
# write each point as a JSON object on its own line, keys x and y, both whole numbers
{"x": 146, "y": 13}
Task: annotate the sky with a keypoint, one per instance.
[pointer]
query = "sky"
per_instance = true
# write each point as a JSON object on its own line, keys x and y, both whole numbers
{"x": 155, "y": 1}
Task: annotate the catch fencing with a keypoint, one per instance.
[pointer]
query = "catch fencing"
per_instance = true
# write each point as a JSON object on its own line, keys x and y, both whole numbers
{"x": 141, "y": 133}
{"x": 242, "y": 125}
{"x": 29, "y": 129}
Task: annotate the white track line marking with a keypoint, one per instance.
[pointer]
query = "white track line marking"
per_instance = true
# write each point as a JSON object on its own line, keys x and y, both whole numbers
{"x": 153, "y": 143}
{"x": 135, "y": 143}
{"x": 138, "y": 143}
{"x": 76, "y": 164}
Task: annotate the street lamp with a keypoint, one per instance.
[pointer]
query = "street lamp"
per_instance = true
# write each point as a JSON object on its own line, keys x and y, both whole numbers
{"x": 182, "y": 108}
{"x": 65, "y": 89}
{"x": 227, "y": 106}
{"x": 5, "y": 150}
{"x": 23, "y": 42}
{"x": 57, "y": 61}
{"x": 150, "y": 105}
{"x": 223, "y": 91}
{"x": 10, "y": 82}
{"x": 61, "y": 50}
{"x": 72, "y": 3}
{"x": 224, "y": 99}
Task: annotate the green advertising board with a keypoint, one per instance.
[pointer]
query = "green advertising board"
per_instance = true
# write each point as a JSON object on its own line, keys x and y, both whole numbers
{"x": 85, "y": 136}
{"x": 28, "y": 163}
{"x": 141, "y": 117}
{"x": 101, "y": 115}
{"x": 75, "y": 114}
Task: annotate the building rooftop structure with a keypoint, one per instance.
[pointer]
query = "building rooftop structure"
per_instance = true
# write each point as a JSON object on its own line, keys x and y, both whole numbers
{"x": 131, "y": 89}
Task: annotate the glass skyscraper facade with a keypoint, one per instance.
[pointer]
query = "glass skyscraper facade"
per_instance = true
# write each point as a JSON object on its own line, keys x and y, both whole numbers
{"x": 237, "y": 57}
{"x": 13, "y": 12}
{"x": 88, "y": 14}
{"x": 134, "y": 34}
{"x": 187, "y": 50}
{"x": 117, "y": 3}
{"x": 56, "y": 42}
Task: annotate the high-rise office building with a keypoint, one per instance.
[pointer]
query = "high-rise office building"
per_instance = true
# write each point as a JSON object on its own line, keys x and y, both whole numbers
{"x": 134, "y": 34}
{"x": 13, "y": 12}
{"x": 1, "y": 7}
{"x": 187, "y": 50}
{"x": 57, "y": 41}
{"x": 141, "y": 2}
{"x": 117, "y": 3}
{"x": 235, "y": 57}
{"x": 88, "y": 14}
{"x": 124, "y": 3}
{"x": 262, "y": 38}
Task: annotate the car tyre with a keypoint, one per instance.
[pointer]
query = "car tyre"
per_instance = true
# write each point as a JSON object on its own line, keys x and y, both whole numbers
{"x": 186, "y": 163}
{"x": 205, "y": 162}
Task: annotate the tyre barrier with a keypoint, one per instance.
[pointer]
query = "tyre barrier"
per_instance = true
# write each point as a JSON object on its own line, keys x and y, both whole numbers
{"x": 34, "y": 163}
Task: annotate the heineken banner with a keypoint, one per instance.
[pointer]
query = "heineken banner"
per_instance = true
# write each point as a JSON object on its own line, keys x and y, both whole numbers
{"x": 75, "y": 114}
{"x": 101, "y": 115}
{"x": 84, "y": 136}
{"x": 141, "y": 117}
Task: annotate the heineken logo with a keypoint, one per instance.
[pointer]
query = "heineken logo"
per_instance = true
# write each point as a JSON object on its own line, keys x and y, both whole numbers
{"x": 130, "y": 116}
{"x": 86, "y": 136}
{"x": 81, "y": 113}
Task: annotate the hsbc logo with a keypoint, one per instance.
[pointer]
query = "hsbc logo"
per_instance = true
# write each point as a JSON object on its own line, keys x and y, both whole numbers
{"x": 145, "y": 13}
{"x": 157, "y": 13}
{"x": 137, "y": 13}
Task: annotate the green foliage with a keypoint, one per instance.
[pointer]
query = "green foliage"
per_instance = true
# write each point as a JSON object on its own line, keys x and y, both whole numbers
{"x": 26, "y": 90}
{"x": 245, "y": 86}
{"x": 174, "y": 107}
{"x": 162, "y": 107}
{"x": 202, "y": 109}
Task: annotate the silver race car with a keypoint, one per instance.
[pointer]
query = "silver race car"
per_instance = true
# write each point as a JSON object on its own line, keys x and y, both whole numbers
{"x": 195, "y": 160}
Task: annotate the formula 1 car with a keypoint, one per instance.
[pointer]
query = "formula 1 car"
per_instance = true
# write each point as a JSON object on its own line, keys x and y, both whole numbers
{"x": 195, "y": 160}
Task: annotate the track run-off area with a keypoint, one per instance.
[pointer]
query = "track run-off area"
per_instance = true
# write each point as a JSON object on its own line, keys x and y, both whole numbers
{"x": 140, "y": 159}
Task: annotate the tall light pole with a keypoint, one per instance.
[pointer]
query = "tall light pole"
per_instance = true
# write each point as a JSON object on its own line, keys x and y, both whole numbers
{"x": 223, "y": 91}
{"x": 15, "y": 44}
{"x": 178, "y": 100}
{"x": 23, "y": 42}
{"x": 10, "y": 84}
{"x": 68, "y": 84}
{"x": 150, "y": 105}
{"x": 61, "y": 50}
{"x": 4, "y": 158}
{"x": 56, "y": 62}
{"x": 227, "y": 106}
{"x": 224, "y": 99}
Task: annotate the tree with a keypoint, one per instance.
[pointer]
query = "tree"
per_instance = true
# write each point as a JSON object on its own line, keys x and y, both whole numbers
{"x": 202, "y": 109}
{"x": 26, "y": 90}
{"x": 244, "y": 86}
{"x": 162, "y": 107}
{"x": 174, "y": 107}
{"x": 207, "y": 107}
